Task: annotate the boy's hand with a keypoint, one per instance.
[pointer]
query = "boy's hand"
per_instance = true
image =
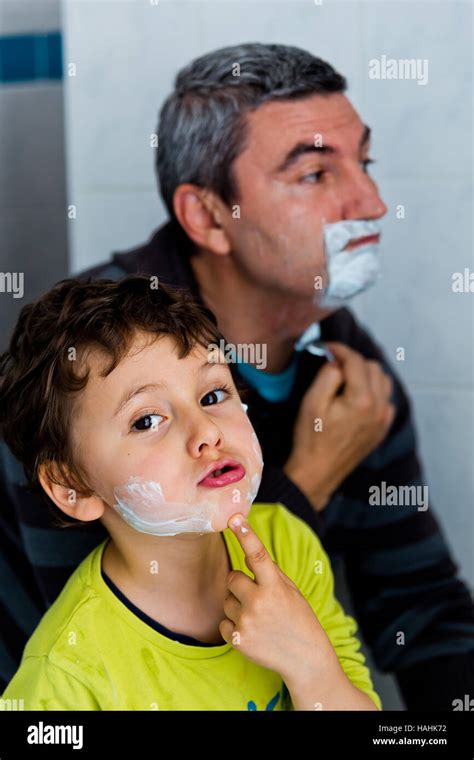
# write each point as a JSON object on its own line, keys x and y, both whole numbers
{"x": 269, "y": 620}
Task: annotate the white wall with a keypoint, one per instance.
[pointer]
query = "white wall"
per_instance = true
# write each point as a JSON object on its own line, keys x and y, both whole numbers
{"x": 33, "y": 228}
{"x": 127, "y": 54}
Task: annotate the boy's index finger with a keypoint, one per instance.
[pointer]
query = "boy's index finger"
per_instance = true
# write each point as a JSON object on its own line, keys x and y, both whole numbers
{"x": 256, "y": 555}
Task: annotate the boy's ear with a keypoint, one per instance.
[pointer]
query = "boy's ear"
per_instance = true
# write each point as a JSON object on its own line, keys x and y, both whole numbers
{"x": 69, "y": 501}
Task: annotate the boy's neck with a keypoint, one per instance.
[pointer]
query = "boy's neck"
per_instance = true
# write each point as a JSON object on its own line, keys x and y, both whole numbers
{"x": 179, "y": 581}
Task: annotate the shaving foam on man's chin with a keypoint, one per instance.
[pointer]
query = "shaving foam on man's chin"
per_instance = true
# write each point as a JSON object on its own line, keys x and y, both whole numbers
{"x": 353, "y": 271}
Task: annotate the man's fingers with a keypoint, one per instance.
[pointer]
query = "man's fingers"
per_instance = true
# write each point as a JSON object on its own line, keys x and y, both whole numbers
{"x": 380, "y": 382}
{"x": 328, "y": 381}
{"x": 362, "y": 376}
{"x": 256, "y": 556}
{"x": 353, "y": 367}
{"x": 388, "y": 387}
{"x": 341, "y": 352}
{"x": 390, "y": 416}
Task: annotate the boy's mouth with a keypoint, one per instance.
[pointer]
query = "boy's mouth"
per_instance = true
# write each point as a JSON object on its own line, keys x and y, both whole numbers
{"x": 222, "y": 473}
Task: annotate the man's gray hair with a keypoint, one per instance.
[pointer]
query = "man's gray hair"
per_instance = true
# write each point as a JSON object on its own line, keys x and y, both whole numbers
{"x": 202, "y": 124}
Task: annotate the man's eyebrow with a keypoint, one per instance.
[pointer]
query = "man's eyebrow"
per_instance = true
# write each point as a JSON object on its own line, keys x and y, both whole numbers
{"x": 149, "y": 386}
{"x": 302, "y": 148}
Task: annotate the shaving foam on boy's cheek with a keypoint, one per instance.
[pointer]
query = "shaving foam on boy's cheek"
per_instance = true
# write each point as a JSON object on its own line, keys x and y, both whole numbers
{"x": 143, "y": 505}
{"x": 256, "y": 478}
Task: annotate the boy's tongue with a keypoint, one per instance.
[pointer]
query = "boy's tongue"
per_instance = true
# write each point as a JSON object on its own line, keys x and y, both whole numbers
{"x": 223, "y": 476}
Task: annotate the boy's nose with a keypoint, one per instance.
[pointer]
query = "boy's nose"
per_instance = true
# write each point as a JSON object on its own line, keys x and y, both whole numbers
{"x": 206, "y": 435}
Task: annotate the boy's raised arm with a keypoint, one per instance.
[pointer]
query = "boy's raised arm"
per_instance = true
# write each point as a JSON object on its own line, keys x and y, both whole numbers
{"x": 272, "y": 623}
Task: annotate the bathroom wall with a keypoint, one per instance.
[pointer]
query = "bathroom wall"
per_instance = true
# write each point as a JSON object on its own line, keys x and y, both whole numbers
{"x": 33, "y": 220}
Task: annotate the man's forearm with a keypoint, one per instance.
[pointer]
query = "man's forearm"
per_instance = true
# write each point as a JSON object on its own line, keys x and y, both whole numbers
{"x": 317, "y": 491}
{"x": 277, "y": 487}
{"x": 448, "y": 683}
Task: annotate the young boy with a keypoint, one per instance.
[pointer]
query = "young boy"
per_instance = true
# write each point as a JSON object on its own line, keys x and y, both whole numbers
{"x": 113, "y": 401}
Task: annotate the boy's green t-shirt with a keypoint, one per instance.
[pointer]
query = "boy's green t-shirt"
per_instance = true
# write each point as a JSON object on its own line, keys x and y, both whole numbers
{"x": 90, "y": 652}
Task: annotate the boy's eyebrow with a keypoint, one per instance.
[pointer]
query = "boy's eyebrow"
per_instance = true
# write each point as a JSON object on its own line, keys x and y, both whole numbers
{"x": 149, "y": 386}
{"x": 135, "y": 392}
{"x": 301, "y": 148}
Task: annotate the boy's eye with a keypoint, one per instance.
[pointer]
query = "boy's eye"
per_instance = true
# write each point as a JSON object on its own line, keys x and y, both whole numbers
{"x": 147, "y": 422}
{"x": 152, "y": 420}
{"x": 217, "y": 395}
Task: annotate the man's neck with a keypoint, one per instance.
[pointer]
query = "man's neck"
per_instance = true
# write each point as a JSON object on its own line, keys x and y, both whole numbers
{"x": 247, "y": 313}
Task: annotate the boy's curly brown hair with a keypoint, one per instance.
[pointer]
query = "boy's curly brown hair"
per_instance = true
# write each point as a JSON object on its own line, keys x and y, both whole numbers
{"x": 38, "y": 379}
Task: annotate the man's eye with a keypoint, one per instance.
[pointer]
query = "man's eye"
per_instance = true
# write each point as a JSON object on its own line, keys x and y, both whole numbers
{"x": 147, "y": 422}
{"x": 218, "y": 394}
{"x": 315, "y": 177}
{"x": 365, "y": 164}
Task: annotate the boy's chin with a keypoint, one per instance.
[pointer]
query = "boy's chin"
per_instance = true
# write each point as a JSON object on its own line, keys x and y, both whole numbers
{"x": 225, "y": 512}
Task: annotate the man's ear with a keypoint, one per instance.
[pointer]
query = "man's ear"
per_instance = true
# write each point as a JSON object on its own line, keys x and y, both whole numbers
{"x": 200, "y": 214}
{"x": 67, "y": 499}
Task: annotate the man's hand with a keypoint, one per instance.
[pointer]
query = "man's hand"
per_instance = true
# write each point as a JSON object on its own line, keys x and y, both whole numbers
{"x": 352, "y": 423}
{"x": 271, "y": 623}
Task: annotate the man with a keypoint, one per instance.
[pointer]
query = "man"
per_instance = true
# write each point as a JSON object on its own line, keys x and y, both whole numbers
{"x": 262, "y": 164}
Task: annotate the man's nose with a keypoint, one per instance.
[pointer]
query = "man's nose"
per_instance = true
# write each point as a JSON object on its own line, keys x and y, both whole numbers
{"x": 360, "y": 197}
